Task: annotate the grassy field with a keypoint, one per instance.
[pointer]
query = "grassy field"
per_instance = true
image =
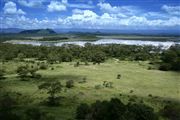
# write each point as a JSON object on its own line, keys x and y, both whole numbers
{"x": 136, "y": 78}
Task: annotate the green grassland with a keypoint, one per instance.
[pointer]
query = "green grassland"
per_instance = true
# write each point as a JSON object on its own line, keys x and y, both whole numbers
{"x": 163, "y": 86}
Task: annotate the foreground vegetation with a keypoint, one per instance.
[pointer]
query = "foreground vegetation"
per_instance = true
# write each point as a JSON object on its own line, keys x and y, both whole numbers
{"x": 73, "y": 82}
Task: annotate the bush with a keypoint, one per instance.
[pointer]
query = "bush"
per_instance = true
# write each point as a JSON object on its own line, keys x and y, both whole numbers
{"x": 70, "y": 84}
{"x": 52, "y": 88}
{"x": 97, "y": 86}
{"x": 76, "y": 64}
{"x": 83, "y": 80}
{"x": 140, "y": 112}
{"x": 37, "y": 114}
{"x": 82, "y": 111}
{"x": 114, "y": 110}
{"x": 7, "y": 105}
{"x": 119, "y": 76}
{"x": 171, "y": 111}
{"x": 165, "y": 67}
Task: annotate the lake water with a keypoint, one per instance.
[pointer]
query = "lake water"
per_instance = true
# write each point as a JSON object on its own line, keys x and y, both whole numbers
{"x": 166, "y": 44}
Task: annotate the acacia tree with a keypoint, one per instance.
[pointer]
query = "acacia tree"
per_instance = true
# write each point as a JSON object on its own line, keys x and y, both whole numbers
{"x": 52, "y": 89}
{"x": 98, "y": 57}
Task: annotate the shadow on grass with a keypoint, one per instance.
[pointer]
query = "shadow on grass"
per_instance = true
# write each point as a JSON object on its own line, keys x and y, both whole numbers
{"x": 63, "y": 77}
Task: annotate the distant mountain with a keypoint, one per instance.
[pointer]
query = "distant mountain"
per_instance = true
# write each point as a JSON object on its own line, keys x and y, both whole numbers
{"x": 124, "y": 31}
{"x": 38, "y": 31}
{"x": 10, "y": 30}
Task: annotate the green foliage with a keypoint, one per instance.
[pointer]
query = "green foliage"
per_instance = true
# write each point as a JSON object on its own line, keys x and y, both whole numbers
{"x": 115, "y": 110}
{"x": 70, "y": 84}
{"x": 98, "y": 57}
{"x": 171, "y": 111}
{"x": 7, "y": 106}
{"x": 21, "y": 56}
{"x": 140, "y": 112}
{"x": 88, "y": 53}
{"x": 23, "y": 72}
{"x": 171, "y": 59}
{"x": 35, "y": 113}
{"x": 52, "y": 88}
{"x": 119, "y": 76}
{"x": 82, "y": 111}
{"x": 26, "y": 72}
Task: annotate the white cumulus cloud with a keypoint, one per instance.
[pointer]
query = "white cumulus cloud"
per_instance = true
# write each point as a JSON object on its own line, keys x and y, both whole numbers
{"x": 174, "y": 10}
{"x": 56, "y": 6}
{"x": 31, "y": 3}
{"x": 11, "y": 8}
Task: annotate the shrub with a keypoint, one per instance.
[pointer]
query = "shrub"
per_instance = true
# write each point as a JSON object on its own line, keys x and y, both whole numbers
{"x": 131, "y": 91}
{"x": 70, "y": 84}
{"x": 171, "y": 111}
{"x": 37, "y": 114}
{"x": 83, "y": 80}
{"x": 119, "y": 76}
{"x": 97, "y": 86}
{"x": 76, "y": 64}
{"x": 140, "y": 112}
{"x": 115, "y": 110}
{"x": 82, "y": 111}
{"x": 165, "y": 67}
{"x": 52, "y": 88}
{"x": 7, "y": 106}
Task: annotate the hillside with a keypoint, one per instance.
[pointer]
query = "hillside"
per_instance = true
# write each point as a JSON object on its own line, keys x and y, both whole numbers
{"x": 10, "y": 30}
{"x": 38, "y": 31}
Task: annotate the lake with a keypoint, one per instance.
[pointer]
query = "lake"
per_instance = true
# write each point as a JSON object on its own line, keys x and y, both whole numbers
{"x": 165, "y": 45}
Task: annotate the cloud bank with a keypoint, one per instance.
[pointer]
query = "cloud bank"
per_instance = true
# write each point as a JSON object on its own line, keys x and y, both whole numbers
{"x": 102, "y": 15}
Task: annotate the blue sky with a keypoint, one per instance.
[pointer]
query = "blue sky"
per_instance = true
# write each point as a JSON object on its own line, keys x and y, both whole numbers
{"x": 91, "y": 14}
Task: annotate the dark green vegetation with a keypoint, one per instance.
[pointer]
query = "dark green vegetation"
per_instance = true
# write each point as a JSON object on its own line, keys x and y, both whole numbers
{"x": 171, "y": 59}
{"x": 51, "y": 83}
{"x": 115, "y": 110}
{"x": 89, "y": 53}
{"x": 94, "y": 53}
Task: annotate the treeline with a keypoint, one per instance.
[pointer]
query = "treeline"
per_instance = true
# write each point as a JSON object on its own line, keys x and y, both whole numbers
{"x": 171, "y": 59}
{"x": 89, "y": 53}
{"x": 93, "y": 53}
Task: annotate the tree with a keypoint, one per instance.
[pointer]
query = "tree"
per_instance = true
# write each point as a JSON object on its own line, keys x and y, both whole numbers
{"x": 23, "y": 72}
{"x": 98, "y": 57}
{"x": 7, "y": 105}
{"x": 52, "y": 89}
{"x": 171, "y": 59}
{"x": 21, "y": 56}
{"x": 26, "y": 72}
{"x": 70, "y": 84}
{"x": 171, "y": 111}
{"x": 115, "y": 110}
{"x": 52, "y": 57}
{"x": 82, "y": 111}
{"x": 140, "y": 112}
